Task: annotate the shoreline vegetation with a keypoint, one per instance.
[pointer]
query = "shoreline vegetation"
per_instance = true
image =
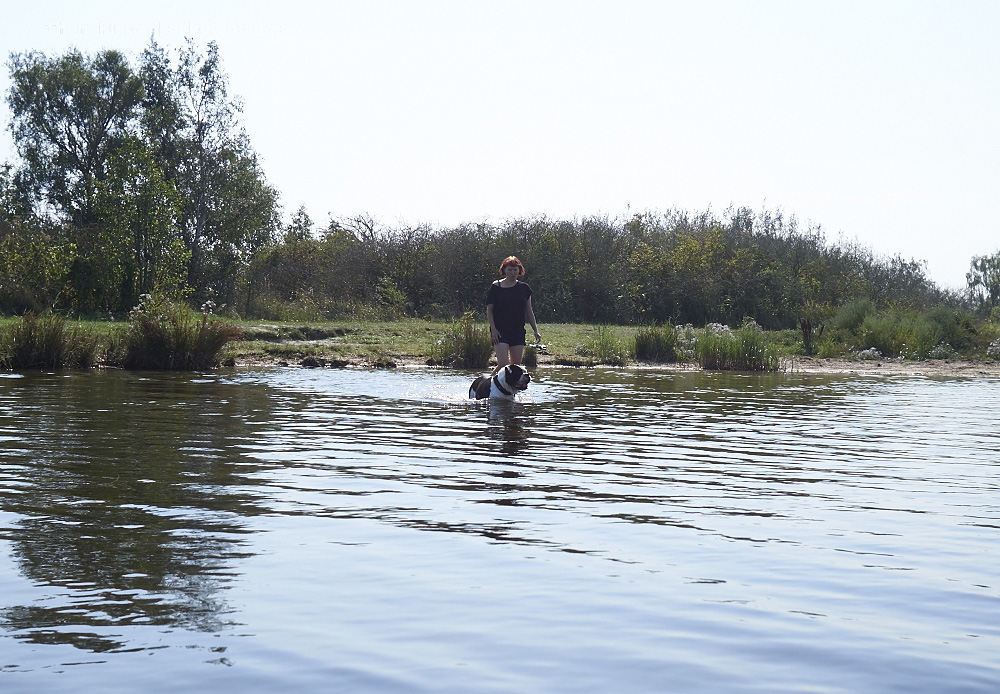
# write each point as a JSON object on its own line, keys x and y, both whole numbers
{"x": 164, "y": 207}
{"x": 173, "y": 337}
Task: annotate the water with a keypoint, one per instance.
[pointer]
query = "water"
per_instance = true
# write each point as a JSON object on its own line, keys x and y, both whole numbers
{"x": 373, "y": 531}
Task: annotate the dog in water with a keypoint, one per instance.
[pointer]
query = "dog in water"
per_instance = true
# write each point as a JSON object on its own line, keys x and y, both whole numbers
{"x": 503, "y": 384}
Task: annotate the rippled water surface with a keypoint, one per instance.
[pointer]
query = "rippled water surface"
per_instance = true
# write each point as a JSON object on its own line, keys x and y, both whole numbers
{"x": 342, "y": 530}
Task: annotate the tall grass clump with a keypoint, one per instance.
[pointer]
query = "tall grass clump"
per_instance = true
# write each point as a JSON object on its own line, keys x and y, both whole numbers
{"x": 164, "y": 336}
{"x": 746, "y": 349}
{"x": 605, "y": 347}
{"x": 656, "y": 343}
{"x": 45, "y": 342}
{"x": 530, "y": 356}
{"x": 465, "y": 345}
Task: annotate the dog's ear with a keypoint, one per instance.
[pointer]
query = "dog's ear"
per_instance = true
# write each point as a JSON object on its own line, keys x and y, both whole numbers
{"x": 516, "y": 371}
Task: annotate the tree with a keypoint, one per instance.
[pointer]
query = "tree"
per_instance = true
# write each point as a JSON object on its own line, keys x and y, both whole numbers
{"x": 228, "y": 210}
{"x": 68, "y": 115}
{"x": 983, "y": 280}
{"x": 300, "y": 228}
{"x": 138, "y": 211}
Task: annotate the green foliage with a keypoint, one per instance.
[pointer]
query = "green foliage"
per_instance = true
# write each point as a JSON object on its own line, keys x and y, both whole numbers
{"x": 34, "y": 264}
{"x": 150, "y": 185}
{"x": 649, "y": 269}
{"x": 68, "y": 114}
{"x": 138, "y": 212}
{"x": 389, "y": 299}
{"x": 45, "y": 342}
{"x": 888, "y": 333}
{"x": 465, "y": 345}
{"x": 605, "y": 347}
{"x": 983, "y": 280}
{"x": 162, "y": 335}
{"x": 746, "y": 349}
{"x": 228, "y": 212}
{"x": 530, "y": 356}
{"x": 149, "y": 175}
{"x": 656, "y": 343}
{"x": 852, "y": 314}
{"x": 934, "y": 334}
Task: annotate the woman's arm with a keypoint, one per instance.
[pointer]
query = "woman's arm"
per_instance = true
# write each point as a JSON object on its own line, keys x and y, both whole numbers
{"x": 494, "y": 333}
{"x": 529, "y": 313}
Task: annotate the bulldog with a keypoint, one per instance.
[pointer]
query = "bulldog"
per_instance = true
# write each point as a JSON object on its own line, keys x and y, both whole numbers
{"x": 504, "y": 384}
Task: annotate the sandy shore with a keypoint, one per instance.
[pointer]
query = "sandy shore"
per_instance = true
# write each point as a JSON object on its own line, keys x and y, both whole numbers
{"x": 799, "y": 364}
{"x": 931, "y": 367}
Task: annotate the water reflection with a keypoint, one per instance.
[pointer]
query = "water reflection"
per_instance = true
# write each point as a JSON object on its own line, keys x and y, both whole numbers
{"x": 130, "y": 498}
{"x": 508, "y": 426}
{"x": 606, "y": 526}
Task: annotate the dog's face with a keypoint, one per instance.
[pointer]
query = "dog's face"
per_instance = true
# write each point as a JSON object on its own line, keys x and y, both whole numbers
{"x": 516, "y": 377}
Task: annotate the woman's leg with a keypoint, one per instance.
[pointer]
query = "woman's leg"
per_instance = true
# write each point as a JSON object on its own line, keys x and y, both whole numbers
{"x": 503, "y": 351}
{"x": 516, "y": 352}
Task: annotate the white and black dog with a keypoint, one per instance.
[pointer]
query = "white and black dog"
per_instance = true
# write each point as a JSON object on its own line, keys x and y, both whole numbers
{"x": 504, "y": 384}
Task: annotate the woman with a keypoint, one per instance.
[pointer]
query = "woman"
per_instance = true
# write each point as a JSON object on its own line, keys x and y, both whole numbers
{"x": 508, "y": 304}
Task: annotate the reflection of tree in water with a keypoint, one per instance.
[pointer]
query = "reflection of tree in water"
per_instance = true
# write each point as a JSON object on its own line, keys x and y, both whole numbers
{"x": 129, "y": 499}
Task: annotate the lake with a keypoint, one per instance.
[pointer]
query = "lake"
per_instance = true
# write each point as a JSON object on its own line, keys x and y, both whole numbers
{"x": 354, "y": 530}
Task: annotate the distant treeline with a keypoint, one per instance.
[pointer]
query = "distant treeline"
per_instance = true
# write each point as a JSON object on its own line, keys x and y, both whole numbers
{"x": 673, "y": 267}
{"x": 139, "y": 180}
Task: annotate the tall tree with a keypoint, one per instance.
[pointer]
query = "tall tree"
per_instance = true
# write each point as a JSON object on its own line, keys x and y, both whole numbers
{"x": 983, "y": 280}
{"x": 138, "y": 215}
{"x": 228, "y": 211}
{"x": 69, "y": 113}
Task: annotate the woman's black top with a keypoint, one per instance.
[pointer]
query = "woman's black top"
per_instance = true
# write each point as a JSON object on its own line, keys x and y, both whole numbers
{"x": 509, "y": 305}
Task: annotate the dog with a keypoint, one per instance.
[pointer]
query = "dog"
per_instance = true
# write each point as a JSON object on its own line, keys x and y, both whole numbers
{"x": 504, "y": 384}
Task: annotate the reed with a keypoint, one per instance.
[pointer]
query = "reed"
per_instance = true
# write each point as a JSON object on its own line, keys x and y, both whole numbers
{"x": 163, "y": 336}
{"x": 746, "y": 349}
{"x": 656, "y": 343}
{"x": 45, "y": 342}
{"x": 465, "y": 345}
{"x": 530, "y": 356}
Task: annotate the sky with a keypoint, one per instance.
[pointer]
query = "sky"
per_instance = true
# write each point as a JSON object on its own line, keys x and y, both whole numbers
{"x": 876, "y": 120}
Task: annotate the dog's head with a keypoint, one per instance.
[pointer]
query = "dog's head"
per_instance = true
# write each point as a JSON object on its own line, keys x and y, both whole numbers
{"x": 516, "y": 377}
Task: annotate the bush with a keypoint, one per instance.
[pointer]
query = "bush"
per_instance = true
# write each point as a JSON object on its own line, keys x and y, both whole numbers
{"x": 466, "y": 345}
{"x": 44, "y": 342}
{"x": 940, "y": 331}
{"x": 852, "y": 315}
{"x": 890, "y": 334}
{"x": 164, "y": 336}
{"x": 747, "y": 349}
{"x": 656, "y": 343}
{"x": 605, "y": 347}
{"x": 993, "y": 351}
{"x": 953, "y": 326}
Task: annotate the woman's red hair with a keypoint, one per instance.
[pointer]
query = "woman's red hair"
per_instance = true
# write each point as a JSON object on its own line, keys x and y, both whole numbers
{"x": 512, "y": 260}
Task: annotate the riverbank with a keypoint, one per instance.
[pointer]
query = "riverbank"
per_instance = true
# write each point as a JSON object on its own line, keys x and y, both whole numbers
{"x": 410, "y": 343}
{"x": 929, "y": 367}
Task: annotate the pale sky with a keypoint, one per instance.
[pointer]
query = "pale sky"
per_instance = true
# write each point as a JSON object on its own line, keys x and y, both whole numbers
{"x": 878, "y": 120}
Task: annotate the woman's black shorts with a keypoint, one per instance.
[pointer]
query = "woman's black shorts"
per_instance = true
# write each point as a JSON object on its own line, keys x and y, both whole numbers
{"x": 513, "y": 338}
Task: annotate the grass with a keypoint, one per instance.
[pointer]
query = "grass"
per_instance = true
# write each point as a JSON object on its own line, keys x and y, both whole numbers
{"x": 604, "y": 346}
{"x": 416, "y": 341}
{"x": 163, "y": 336}
{"x": 746, "y": 349}
{"x": 656, "y": 343}
{"x": 46, "y": 342}
{"x": 466, "y": 345}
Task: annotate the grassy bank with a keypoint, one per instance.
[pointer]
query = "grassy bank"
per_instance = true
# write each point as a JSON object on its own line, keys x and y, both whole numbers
{"x": 195, "y": 342}
{"x": 418, "y": 341}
